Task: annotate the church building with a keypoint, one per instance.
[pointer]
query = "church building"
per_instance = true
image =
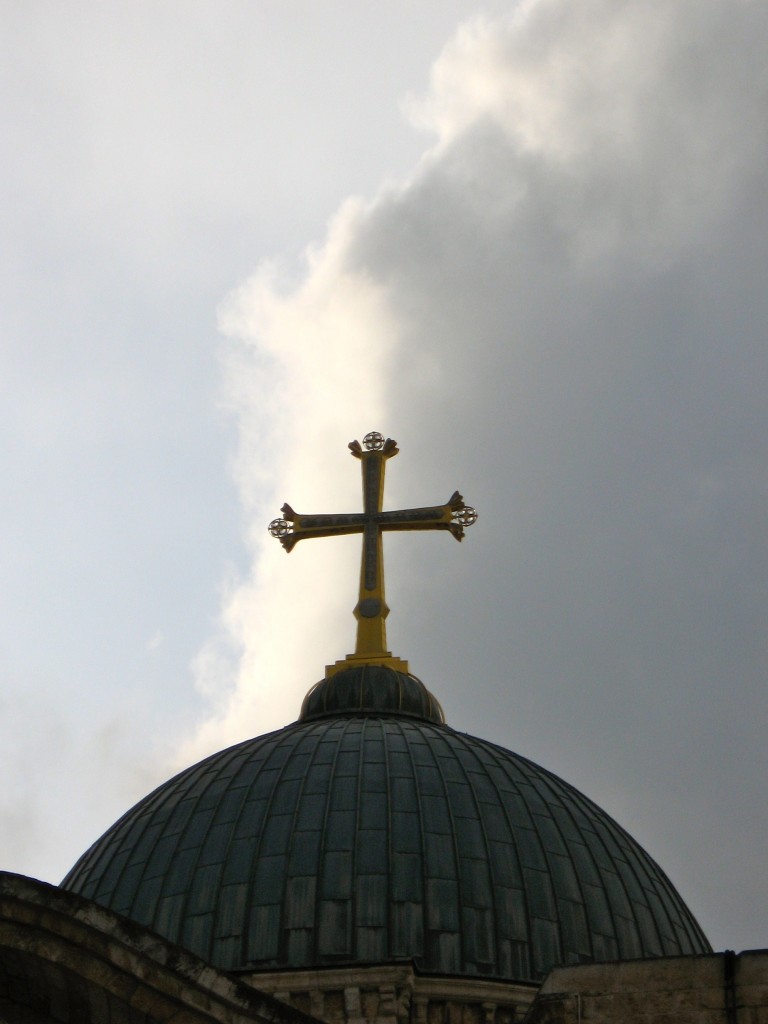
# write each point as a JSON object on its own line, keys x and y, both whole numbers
{"x": 368, "y": 864}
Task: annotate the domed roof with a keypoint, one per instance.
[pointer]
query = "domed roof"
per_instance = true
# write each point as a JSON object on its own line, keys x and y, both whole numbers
{"x": 373, "y": 834}
{"x": 371, "y": 688}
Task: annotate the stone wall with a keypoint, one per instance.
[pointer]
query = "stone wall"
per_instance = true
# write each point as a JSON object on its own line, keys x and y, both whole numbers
{"x": 65, "y": 959}
{"x": 395, "y": 994}
{"x": 719, "y": 988}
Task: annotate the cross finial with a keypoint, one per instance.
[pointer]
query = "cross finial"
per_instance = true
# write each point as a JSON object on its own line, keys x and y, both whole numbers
{"x": 371, "y": 609}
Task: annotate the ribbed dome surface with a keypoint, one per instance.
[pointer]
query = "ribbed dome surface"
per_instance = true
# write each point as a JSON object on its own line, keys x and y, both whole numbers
{"x": 372, "y": 838}
{"x": 371, "y": 688}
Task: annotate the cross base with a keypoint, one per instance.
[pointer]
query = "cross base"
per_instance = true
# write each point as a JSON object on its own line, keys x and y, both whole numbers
{"x": 354, "y": 660}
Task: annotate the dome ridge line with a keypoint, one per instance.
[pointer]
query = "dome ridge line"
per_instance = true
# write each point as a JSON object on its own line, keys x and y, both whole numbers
{"x": 606, "y": 823}
{"x": 470, "y": 752}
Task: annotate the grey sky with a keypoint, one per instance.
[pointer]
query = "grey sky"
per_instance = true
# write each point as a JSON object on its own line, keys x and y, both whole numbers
{"x": 552, "y": 294}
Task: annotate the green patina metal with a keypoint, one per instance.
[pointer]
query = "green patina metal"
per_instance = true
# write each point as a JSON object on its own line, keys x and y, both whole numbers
{"x": 369, "y": 832}
{"x": 371, "y": 689}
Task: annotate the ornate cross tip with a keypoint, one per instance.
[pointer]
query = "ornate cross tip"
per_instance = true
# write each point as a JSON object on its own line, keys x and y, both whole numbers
{"x": 374, "y": 442}
{"x": 371, "y": 609}
{"x": 283, "y": 528}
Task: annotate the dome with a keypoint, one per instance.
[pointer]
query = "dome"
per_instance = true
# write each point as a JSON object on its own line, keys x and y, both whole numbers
{"x": 371, "y": 832}
{"x": 371, "y": 688}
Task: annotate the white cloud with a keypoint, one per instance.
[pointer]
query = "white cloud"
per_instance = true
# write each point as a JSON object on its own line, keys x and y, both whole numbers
{"x": 155, "y": 640}
{"x": 304, "y": 374}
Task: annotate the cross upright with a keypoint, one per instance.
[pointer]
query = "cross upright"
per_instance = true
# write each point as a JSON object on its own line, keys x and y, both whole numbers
{"x": 371, "y": 609}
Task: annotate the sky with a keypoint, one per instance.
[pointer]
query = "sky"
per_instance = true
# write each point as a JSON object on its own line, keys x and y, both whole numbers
{"x": 526, "y": 240}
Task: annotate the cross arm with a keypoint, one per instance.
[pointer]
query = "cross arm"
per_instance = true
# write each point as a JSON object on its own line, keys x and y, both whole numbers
{"x": 294, "y": 527}
{"x": 453, "y": 516}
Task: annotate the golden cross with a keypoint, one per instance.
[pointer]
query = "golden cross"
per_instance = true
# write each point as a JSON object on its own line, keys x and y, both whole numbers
{"x": 371, "y": 609}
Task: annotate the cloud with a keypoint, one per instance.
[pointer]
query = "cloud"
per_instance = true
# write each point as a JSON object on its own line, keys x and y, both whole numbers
{"x": 155, "y": 641}
{"x": 562, "y": 313}
{"x": 303, "y": 373}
